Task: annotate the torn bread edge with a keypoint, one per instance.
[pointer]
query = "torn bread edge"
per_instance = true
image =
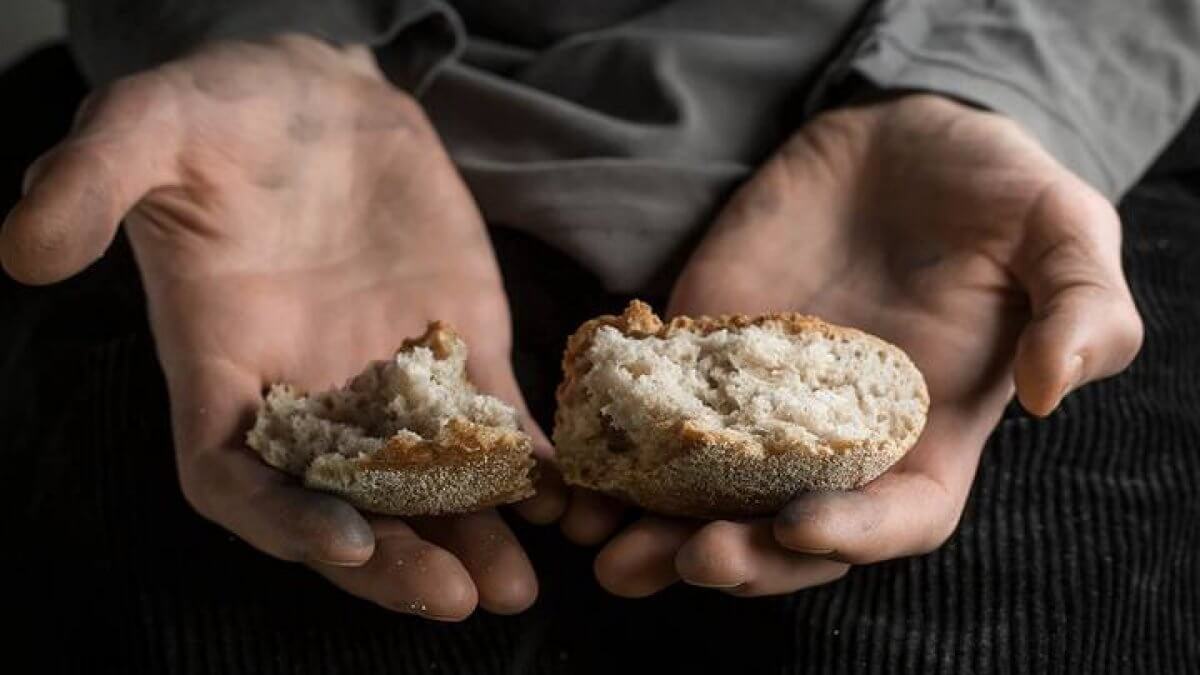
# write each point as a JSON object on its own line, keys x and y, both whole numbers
{"x": 466, "y": 467}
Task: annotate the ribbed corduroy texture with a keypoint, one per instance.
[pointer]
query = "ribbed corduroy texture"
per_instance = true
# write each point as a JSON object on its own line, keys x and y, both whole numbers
{"x": 1079, "y": 551}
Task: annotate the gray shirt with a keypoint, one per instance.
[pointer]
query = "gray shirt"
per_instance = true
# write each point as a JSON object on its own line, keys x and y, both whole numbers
{"x": 613, "y": 130}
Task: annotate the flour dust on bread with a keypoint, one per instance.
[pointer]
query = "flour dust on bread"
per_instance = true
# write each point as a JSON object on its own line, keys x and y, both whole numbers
{"x": 407, "y": 436}
{"x": 733, "y": 415}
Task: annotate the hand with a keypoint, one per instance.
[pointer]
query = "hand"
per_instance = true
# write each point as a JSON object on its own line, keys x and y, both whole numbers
{"x": 293, "y": 216}
{"x": 945, "y": 230}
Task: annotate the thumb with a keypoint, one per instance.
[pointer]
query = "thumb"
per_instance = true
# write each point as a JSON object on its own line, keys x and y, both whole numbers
{"x": 494, "y": 375}
{"x": 77, "y": 193}
{"x": 1084, "y": 326}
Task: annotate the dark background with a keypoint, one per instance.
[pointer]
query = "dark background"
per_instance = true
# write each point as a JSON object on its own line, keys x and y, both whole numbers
{"x": 1079, "y": 551}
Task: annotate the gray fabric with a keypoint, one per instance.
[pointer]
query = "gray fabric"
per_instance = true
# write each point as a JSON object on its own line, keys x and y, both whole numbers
{"x": 614, "y": 130}
{"x": 112, "y": 38}
{"x": 1103, "y": 84}
{"x": 617, "y": 144}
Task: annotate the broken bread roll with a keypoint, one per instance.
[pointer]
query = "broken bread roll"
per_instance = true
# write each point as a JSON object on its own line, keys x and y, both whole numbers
{"x": 731, "y": 416}
{"x": 408, "y": 436}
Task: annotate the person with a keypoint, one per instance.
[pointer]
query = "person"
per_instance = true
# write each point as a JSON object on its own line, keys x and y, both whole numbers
{"x": 306, "y": 183}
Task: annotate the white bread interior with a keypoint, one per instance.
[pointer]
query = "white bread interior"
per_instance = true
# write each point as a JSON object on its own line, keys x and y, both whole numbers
{"x": 731, "y": 415}
{"x": 407, "y": 436}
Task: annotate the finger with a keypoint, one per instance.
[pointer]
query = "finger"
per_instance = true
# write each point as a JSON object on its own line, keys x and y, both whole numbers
{"x": 407, "y": 574}
{"x": 501, "y": 572}
{"x": 591, "y": 517}
{"x": 271, "y": 512}
{"x": 77, "y": 194}
{"x": 899, "y": 514}
{"x": 230, "y": 485}
{"x": 493, "y": 375}
{"x": 911, "y": 509}
{"x": 1084, "y": 325}
{"x": 550, "y": 501}
{"x": 744, "y": 559}
{"x": 641, "y": 560}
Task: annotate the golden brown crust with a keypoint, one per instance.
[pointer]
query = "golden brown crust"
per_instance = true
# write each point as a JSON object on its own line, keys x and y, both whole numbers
{"x": 711, "y": 473}
{"x": 461, "y": 443}
{"x": 439, "y": 337}
{"x": 474, "y": 468}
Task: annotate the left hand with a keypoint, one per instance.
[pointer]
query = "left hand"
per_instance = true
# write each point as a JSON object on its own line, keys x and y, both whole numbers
{"x": 293, "y": 216}
{"x": 943, "y": 229}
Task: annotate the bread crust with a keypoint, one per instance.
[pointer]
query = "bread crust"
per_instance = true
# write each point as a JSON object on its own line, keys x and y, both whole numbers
{"x": 468, "y": 467}
{"x": 709, "y": 473}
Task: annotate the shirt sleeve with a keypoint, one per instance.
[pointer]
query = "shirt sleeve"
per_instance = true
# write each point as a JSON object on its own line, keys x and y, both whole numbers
{"x": 112, "y": 38}
{"x": 1103, "y": 84}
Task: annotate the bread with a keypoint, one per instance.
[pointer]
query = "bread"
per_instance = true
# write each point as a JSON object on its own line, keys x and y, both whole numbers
{"x": 408, "y": 436}
{"x": 733, "y": 415}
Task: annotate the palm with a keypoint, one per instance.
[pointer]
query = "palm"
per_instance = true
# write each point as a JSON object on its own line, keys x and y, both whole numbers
{"x": 293, "y": 217}
{"x": 319, "y": 255}
{"x": 946, "y": 231}
{"x": 926, "y": 266}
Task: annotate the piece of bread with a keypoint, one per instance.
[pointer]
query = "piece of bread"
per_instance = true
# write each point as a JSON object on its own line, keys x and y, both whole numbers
{"x": 733, "y": 415}
{"x": 409, "y": 436}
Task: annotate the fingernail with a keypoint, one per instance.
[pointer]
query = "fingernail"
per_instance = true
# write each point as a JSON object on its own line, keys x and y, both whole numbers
{"x": 340, "y": 563}
{"x": 812, "y": 551}
{"x": 423, "y": 612}
{"x": 718, "y": 586}
{"x": 801, "y": 510}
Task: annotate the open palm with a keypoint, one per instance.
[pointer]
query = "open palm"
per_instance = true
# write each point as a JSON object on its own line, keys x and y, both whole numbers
{"x": 293, "y": 217}
{"x": 945, "y": 230}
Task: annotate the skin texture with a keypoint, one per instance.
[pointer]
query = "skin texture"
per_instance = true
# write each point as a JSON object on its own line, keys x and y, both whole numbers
{"x": 293, "y": 216}
{"x": 947, "y": 231}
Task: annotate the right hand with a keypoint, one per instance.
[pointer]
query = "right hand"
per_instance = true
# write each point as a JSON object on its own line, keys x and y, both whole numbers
{"x": 947, "y": 231}
{"x": 293, "y": 216}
